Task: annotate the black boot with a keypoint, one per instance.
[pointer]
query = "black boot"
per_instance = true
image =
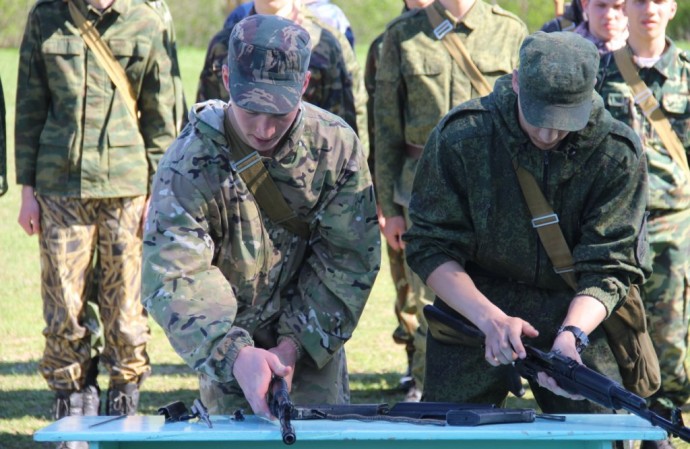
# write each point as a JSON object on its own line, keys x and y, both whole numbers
{"x": 69, "y": 403}
{"x": 122, "y": 400}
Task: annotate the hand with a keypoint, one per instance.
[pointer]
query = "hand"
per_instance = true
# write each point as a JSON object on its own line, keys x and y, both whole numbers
{"x": 287, "y": 354}
{"x": 253, "y": 369}
{"x": 29, "y": 212}
{"x": 381, "y": 218}
{"x": 393, "y": 230}
{"x": 565, "y": 344}
{"x": 503, "y": 343}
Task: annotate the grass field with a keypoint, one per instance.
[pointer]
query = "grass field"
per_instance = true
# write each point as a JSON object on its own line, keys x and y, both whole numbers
{"x": 375, "y": 362}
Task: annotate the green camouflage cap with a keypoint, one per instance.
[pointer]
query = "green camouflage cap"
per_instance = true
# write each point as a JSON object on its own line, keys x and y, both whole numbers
{"x": 556, "y": 78}
{"x": 268, "y": 58}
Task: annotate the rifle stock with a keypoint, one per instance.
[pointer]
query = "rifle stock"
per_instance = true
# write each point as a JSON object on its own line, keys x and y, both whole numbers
{"x": 570, "y": 375}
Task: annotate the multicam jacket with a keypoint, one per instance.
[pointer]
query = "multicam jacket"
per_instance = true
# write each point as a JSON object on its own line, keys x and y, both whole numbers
{"x": 336, "y": 79}
{"x": 468, "y": 206}
{"x": 74, "y": 135}
{"x": 418, "y": 82}
{"x": 669, "y": 81}
{"x": 217, "y": 272}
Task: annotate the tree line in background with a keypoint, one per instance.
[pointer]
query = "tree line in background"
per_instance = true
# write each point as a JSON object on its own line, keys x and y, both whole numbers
{"x": 197, "y": 21}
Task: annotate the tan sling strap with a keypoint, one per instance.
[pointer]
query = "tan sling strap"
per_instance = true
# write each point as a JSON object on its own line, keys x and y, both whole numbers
{"x": 651, "y": 108}
{"x": 105, "y": 58}
{"x": 442, "y": 30}
{"x": 545, "y": 221}
{"x": 253, "y": 172}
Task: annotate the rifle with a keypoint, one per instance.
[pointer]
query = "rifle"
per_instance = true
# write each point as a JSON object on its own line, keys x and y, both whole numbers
{"x": 447, "y": 326}
{"x": 282, "y": 408}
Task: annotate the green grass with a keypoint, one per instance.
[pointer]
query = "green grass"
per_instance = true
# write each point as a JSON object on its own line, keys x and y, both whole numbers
{"x": 375, "y": 362}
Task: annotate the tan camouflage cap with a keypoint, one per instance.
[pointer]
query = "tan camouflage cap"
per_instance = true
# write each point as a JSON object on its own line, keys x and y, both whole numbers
{"x": 268, "y": 58}
{"x": 556, "y": 78}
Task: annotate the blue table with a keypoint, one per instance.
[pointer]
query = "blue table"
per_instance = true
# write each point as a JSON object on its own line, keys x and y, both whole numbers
{"x": 149, "y": 432}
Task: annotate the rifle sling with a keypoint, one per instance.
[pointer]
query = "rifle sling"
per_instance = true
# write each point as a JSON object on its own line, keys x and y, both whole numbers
{"x": 105, "y": 58}
{"x": 651, "y": 109}
{"x": 443, "y": 31}
{"x": 254, "y": 174}
{"x": 545, "y": 221}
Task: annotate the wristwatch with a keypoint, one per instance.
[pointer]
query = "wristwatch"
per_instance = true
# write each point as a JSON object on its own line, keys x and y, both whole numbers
{"x": 581, "y": 339}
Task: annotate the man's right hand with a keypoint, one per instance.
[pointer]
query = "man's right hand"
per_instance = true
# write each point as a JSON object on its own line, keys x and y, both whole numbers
{"x": 253, "y": 369}
{"x": 29, "y": 212}
{"x": 393, "y": 230}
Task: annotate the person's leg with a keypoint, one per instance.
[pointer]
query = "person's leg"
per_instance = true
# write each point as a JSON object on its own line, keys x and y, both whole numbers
{"x": 124, "y": 319}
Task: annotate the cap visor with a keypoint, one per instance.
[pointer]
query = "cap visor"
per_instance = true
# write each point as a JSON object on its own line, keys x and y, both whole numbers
{"x": 277, "y": 97}
{"x": 566, "y": 117}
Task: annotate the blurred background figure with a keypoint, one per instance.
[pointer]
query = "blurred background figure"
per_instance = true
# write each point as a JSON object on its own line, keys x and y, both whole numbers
{"x": 333, "y": 16}
{"x": 568, "y": 17}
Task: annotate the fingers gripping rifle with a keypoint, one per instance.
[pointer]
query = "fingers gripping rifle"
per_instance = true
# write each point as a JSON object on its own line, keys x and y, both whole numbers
{"x": 445, "y": 325}
{"x": 281, "y": 407}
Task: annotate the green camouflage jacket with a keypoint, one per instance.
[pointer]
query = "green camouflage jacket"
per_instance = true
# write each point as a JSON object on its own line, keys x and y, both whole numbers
{"x": 418, "y": 82}
{"x": 74, "y": 135}
{"x": 468, "y": 205}
{"x": 336, "y": 83}
{"x": 217, "y": 273}
{"x": 669, "y": 81}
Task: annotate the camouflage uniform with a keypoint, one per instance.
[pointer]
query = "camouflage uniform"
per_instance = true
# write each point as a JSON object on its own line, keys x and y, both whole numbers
{"x": 90, "y": 162}
{"x": 336, "y": 81}
{"x": 595, "y": 181}
{"x": 417, "y": 84}
{"x": 3, "y": 144}
{"x": 218, "y": 275}
{"x": 667, "y": 291}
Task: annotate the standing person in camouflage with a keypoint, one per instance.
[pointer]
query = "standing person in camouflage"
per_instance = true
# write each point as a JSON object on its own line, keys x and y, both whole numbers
{"x": 605, "y": 24}
{"x": 572, "y": 16}
{"x": 336, "y": 84}
{"x": 417, "y": 83}
{"x": 665, "y": 69}
{"x": 84, "y": 163}
{"x": 404, "y": 308}
{"x": 333, "y": 16}
{"x": 3, "y": 144}
{"x": 472, "y": 238}
{"x": 241, "y": 297}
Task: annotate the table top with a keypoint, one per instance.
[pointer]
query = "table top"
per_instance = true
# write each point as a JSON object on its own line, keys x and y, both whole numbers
{"x": 139, "y": 428}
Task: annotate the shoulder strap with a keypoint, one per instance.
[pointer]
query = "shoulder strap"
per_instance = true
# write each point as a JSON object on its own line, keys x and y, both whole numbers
{"x": 105, "y": 58}
{"x": 545, "y": 221}
{"x": 442, "y": 30}
{"x": 253, "y": 172}
{"x": 651, "y": 109}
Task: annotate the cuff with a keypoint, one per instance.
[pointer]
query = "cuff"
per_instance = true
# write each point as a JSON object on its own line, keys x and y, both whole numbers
{"x": 237, "y": 345}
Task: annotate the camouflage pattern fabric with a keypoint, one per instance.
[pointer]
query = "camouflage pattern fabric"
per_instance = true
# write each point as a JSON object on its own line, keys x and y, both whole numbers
{"x": 335, "y": 84}
{"x": 79, "y": 141}
{"x": 3, "y": 144}
{"x": 596, "y": 182}
{"x": 70, "y": 230}
{"x": 217, "y": 273}
{"x": 418, "y": 82}
{"x": 327, "y": 385}
{"x": 667, "y": 292}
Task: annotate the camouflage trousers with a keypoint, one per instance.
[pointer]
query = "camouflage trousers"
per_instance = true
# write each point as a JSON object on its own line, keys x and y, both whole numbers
{"x": 665, "y": 295}
{"x": 461, "y": 373}
{"x": 71, "y": 230}
{"x": 328, "y": 385}
{"x": 421, "y": 295}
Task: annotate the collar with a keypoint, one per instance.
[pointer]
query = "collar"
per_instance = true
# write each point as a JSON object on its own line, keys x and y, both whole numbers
{"x": 668, "y": 64}
{"x": 119, "y": 6}
{"x": 474, "y": 18}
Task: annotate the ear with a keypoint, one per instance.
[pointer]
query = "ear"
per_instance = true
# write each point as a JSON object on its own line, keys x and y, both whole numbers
{"x": 674, "y": 9}
{"x": 307, "y": 77}
{"x": 226, "y": 77}
{"x": 516, "y": 84}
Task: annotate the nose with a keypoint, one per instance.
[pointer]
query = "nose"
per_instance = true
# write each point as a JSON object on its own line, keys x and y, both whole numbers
{"x": 548, "y": 135}
{"x": 264, "y": 127}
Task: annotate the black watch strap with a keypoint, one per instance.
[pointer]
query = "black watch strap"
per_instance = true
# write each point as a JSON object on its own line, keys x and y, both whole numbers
{"x": 581, "y": 339}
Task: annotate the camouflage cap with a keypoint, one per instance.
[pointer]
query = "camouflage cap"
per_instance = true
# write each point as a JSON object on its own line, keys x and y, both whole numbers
{"x": 268, "y": 58}
{"x": 556, "y": 79}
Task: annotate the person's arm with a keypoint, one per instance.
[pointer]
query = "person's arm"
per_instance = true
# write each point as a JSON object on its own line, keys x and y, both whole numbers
{"x": 322, "y": 308}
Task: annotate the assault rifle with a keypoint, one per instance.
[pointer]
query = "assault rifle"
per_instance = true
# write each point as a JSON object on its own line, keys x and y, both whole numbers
{"x": 447, "y": 326}
{"x": 282, "y": 408}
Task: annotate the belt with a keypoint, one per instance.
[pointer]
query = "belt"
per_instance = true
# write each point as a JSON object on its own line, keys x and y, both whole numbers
{"x": 414, "y": 151}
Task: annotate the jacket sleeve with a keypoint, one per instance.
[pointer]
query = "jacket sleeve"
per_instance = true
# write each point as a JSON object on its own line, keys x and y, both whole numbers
{"x": 183, "y": 291}
{"x": 33, "y": 101}
{"x": 323, "y": 308}
{"x": 388, "y": 123}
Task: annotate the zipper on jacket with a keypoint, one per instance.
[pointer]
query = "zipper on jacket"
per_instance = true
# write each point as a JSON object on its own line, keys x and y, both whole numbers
{"x": 544, "y": 185}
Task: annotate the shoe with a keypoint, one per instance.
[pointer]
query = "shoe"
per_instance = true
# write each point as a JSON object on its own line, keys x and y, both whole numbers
{"x": 660, "y": 444}
{"x": 414, "y": 394}
{"x": 122, "y": 400}
{"x": 69, "y": 403}
{"x": 91, "y": 400}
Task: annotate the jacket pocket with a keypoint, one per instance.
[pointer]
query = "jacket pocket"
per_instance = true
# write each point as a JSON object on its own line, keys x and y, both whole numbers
{"x": 132, "y": 56}
{"x": 64, "y": 62}
{"x": 54, "y": 160}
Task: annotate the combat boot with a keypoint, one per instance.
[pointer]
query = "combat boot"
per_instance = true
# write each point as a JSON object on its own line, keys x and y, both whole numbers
{"x": 69, "y": 403}
{"x": 91, "y": 400}
{"x": 122, "y": 400}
